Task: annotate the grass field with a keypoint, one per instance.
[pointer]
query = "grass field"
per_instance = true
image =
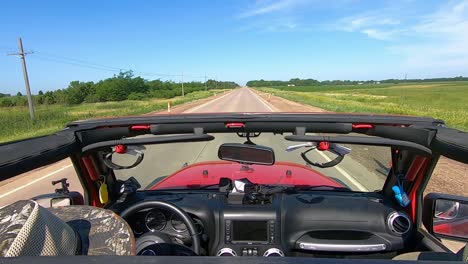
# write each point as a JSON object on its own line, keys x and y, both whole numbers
{"x": 15, "y": 123}
{"x": 447, "y": 101}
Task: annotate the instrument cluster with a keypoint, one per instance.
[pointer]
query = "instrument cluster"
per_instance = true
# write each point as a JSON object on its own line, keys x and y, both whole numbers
{"x": 155, "y": 220}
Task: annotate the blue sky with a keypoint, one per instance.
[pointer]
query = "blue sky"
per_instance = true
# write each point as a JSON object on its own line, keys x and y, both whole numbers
{"x": 237, "y": 40}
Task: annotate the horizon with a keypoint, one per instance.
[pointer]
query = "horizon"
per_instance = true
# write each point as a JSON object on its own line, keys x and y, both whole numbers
{"x": 234, "y": 41}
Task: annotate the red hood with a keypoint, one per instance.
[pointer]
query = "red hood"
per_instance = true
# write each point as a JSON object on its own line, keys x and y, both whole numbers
{"x": 208, "y": 173}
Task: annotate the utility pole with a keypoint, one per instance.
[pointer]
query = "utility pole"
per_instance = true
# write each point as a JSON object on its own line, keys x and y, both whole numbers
{"x": 183, "y": 93}
{"x": 21, "y": 54}
{"x": 205, "y": 83}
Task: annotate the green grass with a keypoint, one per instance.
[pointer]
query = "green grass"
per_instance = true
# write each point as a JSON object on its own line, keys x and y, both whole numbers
{"x": 15, "y": 122}
{"x": 447, "y": 100}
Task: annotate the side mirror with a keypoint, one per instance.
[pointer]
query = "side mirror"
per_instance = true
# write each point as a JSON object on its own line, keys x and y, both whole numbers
{"x": 59, "y": 199}
{"x": 247, "y": 154}
{"x": 446, "y": 216}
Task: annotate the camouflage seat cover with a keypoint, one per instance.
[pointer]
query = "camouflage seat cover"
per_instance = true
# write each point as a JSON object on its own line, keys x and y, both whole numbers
{"x": 27, "y": 229}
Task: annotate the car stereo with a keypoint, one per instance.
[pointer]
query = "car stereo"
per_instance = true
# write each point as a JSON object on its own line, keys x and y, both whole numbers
{"x": 250, "y": 231}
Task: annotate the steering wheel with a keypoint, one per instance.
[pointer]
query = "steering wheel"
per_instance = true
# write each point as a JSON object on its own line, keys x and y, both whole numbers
{"x": 159, "y": 237}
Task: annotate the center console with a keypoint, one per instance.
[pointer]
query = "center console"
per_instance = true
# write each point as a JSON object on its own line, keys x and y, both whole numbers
{"x": 250, "y": 234}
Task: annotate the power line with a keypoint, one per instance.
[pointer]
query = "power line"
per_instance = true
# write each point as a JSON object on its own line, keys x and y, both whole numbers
{"x": 87, "y": 64}
{"x": 46, "y": 56}
{"x": 74, "y": 64}
{"x": 63, "y": 58}
{"x": 195, "y": 76}
{"x": 6, "y": 48}
{"x": 81, "y": 63}
{"x": 118, "y": 68}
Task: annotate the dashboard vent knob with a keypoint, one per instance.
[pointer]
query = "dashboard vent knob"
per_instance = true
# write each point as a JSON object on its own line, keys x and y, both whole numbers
{"x": 273, "y": 252}
{"x": 399, "y": 223}
{"x": 226, "y": 252}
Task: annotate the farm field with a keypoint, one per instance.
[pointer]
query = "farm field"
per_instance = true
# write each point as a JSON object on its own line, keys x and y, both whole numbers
{"x": 15, "y": 122}
{"x": 445, "y": 100}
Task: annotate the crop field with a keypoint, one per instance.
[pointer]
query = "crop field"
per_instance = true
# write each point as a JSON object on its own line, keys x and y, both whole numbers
{"x": 16, "y": 124}
{"x": 445, "y": 100}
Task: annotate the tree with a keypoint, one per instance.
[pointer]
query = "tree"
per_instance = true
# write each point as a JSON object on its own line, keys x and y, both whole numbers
{"x": 49, "y": 98}
{"x": 120, "y": 86}
{"x": 77, "y": 91}
{"x": 6, "y": 102}
{"x": 39, "y": 99}
{"x": 19, "y": 94}
{"x": 41, "y": 92}
{"x": 137, "y": 96}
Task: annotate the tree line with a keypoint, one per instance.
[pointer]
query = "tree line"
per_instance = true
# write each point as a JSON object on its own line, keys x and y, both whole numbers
{"x": 123, "y": 86}
{"x": 312, "y": 82}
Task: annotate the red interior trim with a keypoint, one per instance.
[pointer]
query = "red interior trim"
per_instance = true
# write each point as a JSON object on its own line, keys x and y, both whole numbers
{"x": 415, "y": 167}
{"x": 362, "y": 126}
{"x": 90, "y": 180}
{"x": 140, "y": 127}
{"x": 90, "y": 168}
{"x": 235, "y": 125}
{"x": 421, "y": 163}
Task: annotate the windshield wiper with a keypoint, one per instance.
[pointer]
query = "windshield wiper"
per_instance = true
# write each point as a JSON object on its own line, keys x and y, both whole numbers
{"x": 200, "y": 187}
{"x": 272, "y": 189}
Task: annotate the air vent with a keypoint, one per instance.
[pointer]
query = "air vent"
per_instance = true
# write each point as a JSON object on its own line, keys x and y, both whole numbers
{"x": 399, "y": 223}
{"x": 273, "y": 252}
{"x": 226, "y": 252}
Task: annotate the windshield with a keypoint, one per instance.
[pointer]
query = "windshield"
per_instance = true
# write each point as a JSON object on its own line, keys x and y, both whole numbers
{"x": 196, "y": 165}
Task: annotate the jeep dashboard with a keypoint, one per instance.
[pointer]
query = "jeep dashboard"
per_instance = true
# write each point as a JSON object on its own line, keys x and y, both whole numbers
{"x": 307, "y": 223}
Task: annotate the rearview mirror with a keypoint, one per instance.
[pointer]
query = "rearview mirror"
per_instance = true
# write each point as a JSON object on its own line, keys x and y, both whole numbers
{"x": 247, "y": 154}
{"x": 446, "y": 216}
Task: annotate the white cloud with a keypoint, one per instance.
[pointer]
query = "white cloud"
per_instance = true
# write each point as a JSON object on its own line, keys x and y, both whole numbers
{"x": 272, "y": 16}
{"x": 365, "y": 21}
{"x": 443, "y": 39}
{"x": 437, "y": 39}
{"x": 378, "y": 34}
{"x": 377, "y": 26}
{"x": 265, "y": 7}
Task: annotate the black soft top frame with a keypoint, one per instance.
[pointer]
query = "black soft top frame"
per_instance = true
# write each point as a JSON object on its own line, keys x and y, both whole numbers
{"x": 427, "y": 133}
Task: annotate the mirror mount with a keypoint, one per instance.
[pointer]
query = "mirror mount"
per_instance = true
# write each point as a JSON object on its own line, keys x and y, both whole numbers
{"x": 64, "y": 184}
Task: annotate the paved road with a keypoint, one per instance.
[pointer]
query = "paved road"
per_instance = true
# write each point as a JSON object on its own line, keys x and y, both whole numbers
{"x": 161, "y": 160}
